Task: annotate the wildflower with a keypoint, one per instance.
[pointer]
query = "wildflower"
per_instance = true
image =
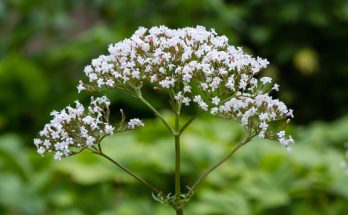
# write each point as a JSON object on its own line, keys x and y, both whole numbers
{"x": 266, "y": 80}
{"x": 134, "y": 123}
{"x": 275, "y": 87}
{"x": 215, "y": 100}
{"x": 80, "y": 87}
{"x": 186, "y": 101}
{"x": 109, "y": 129}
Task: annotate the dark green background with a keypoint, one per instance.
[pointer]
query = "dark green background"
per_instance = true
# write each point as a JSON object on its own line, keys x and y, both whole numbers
{"x": 44, "y": 46}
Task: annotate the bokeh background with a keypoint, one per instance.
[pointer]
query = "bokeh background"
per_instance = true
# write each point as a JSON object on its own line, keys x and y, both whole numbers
{"x": 44, "y": 46}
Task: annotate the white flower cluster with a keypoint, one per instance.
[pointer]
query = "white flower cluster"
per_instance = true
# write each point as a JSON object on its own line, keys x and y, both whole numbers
{"x": 134, "y": 123}
{"x": 75, "y": 128}
{"x": 194, "y": 66}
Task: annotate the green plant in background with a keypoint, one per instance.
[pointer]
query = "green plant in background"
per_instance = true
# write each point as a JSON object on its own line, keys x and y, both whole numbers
{"x": 345, "y": 162}
{"x": 308, "y": 181}
{"x": 192, "y": 66}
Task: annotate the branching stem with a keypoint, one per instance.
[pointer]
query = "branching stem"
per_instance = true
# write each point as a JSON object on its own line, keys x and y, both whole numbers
{"x": 189, "y": 122}
{"x": 194, "y": 187}
{"x": 138, "y": 178}
{"x": 139, "y": 95}
{"x": 178, "y": 203}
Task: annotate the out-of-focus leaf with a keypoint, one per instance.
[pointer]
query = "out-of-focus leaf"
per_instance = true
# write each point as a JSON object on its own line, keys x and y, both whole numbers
{"x": 87, "y": 168}
{"x": 13, "y": 157}
{"x": 228, "y": 202}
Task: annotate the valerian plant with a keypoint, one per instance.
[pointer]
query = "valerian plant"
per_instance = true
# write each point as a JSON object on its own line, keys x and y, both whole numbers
{"x": 193, "y": 67}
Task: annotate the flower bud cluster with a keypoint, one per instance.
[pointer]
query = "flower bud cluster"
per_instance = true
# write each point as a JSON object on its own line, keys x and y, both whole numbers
{"x": 193, "y": 66}
{"x": 75, "y": 128}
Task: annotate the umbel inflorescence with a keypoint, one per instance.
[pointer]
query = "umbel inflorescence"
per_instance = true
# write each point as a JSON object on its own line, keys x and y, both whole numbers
{"x": 76, "y": 128}
{"x": 193, "y": 67}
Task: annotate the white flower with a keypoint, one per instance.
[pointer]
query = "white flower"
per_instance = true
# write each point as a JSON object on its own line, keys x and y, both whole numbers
{"x": 41, "y": 150}
{"x": 200, "y": 102}
{"x": 186, "y": 101}
{"x": 275, "y": 87}
{"x": 281, "y": 134}
{"x": 187, "y": 89}
{"x": 215, "y": 100}
{"x": 263, "y": 116}
{"x": 204, "y": 86}
{"x": 262, "y": 134}
{"x": 58, "y": 155}
{"x": 109, "y": 129}
{"x": 134, "y": 123}
{"x": 83, "y": 132}
{"x": 243, "y": 82}
{"x": 283, "y": 139}
{"x": 203, "y": 105}
{"x": 167, "y": 83}
{"x": 88, "y": 70}
{"x": 80, "y": 87}
{"x": 88, "y": 120}
{"x": 215, "y": 83}
{"x": 266, "y": 80}
{"x": 47, "y": 143}
{"x": 110, "y": 83}
{"x": 37, "y": 142}
{"x": 290, "y": 113}
{"x": 263, "y": 126}
{"x": 214, "y": 110}
{"x": 90, "y": 141}
{"x": 230, "y": 83}
{"x": 178, "y": 96}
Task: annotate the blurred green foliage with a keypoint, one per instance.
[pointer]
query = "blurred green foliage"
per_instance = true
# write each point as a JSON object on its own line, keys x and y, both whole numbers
{"x": 44, "y": 46}
{"x": 262, "y": 178}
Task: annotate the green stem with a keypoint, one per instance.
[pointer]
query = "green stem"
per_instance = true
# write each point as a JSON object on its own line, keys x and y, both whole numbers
{"x": 178, "y": 206}
{"x": 189, "y": 122}
{"x": 143, "y": 181}
{"x": 155, "y": 111}
{"x": 179, "y": 211}
{"x": 177, "y": 166}
{"x": 207, "y": 172}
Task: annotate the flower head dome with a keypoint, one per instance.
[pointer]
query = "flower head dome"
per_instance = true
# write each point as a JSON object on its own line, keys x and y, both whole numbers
{"x": 193, "y": 66}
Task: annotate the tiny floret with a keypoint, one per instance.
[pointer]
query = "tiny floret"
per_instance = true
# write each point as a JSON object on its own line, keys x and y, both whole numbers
{"x": 134, "y": 123}
{"x": 275, "y": 87}
{"x": 80, "y": 87}
{"x": 266, "y": 80}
